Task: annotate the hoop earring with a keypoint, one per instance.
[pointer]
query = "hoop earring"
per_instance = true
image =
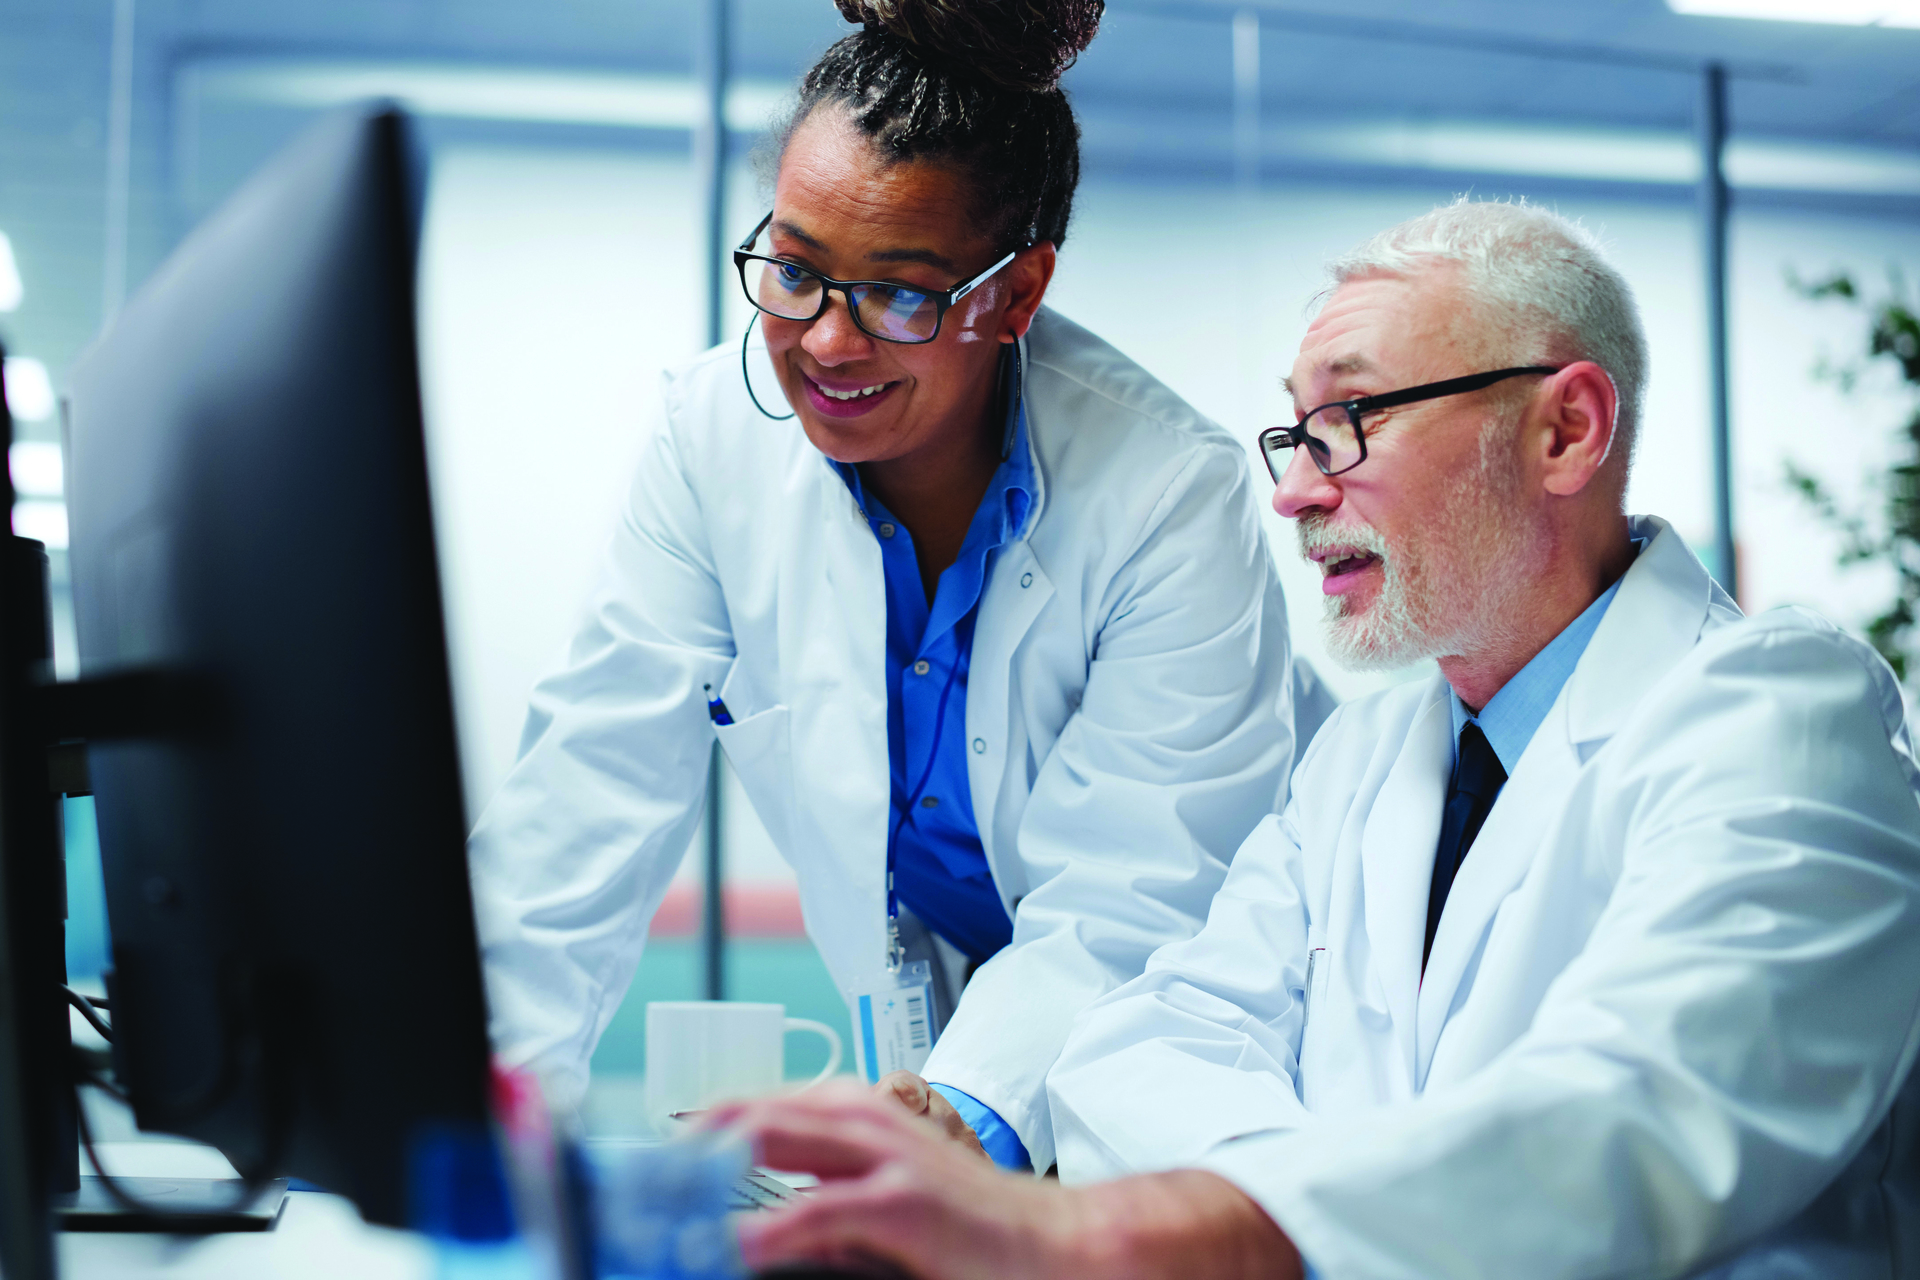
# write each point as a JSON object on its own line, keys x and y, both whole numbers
{"x": 748, "y": 380}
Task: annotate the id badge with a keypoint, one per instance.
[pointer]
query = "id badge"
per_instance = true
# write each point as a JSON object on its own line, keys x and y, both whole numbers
{"x": 893, "y": 1019}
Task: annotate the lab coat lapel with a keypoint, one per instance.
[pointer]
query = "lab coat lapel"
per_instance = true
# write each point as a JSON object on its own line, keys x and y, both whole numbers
{"x": 1396, "y": 859}
{"x": 1496, "y": 863}
{"x": 1652, "y": 623}
{"x": 1017, "y": 589}
{"x": 833, "y": 638}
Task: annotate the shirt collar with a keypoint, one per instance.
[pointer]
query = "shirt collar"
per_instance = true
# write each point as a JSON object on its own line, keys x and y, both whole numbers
{"x": 1513, "y": 715}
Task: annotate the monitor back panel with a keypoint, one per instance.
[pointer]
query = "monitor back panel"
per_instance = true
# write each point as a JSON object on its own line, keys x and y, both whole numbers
{"x": 296, "y": 974}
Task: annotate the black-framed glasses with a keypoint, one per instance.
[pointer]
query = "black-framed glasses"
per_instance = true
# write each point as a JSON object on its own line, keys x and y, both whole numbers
{"x": 1332, "y": 434}
{"x": 889, "y": 312}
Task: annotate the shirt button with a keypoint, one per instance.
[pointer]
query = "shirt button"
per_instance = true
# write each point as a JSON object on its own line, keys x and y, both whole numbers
{"x": 920, "y": 668}
{"x": 930, "y": 802}
{"x": 1026, "y": 579}
{"x": 979, "y": 746}
{"x": 886, "y": 531}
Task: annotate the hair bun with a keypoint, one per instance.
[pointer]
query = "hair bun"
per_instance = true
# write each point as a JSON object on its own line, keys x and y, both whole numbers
{"x": 1019, "y": 44}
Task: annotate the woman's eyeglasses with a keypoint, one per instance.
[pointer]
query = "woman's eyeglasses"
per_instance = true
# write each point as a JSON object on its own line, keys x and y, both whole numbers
{"x": 1332, "y": 434}
{"x": 889, "y": 312}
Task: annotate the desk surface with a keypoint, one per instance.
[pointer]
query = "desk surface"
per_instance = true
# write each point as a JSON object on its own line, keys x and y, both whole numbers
{"x": 318, "y": 1237}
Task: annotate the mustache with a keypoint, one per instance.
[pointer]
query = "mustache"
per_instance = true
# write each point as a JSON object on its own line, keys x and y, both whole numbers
{"x": 1317, "y": 533}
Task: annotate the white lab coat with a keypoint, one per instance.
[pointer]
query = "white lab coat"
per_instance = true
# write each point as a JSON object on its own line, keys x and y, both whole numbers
{"x": 1671, "y": 1001}
{"x": 1128, "y": 713}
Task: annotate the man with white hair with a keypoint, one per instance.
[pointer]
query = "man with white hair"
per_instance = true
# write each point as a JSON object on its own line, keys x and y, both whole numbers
{"x": 1597, "y": 954}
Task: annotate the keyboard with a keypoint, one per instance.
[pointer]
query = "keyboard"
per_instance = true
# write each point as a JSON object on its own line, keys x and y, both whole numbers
{"x": 759, "y": 1191}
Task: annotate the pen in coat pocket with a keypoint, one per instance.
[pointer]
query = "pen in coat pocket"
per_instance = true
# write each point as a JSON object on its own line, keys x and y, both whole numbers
{"x": 716, "y": 709}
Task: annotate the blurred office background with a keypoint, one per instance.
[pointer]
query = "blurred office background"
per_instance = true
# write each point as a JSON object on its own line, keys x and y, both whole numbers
{"x": 1231, "y": 149}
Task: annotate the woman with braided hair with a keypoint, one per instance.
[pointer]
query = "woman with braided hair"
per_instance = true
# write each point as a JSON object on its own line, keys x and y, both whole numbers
{"x": 979, "y": 611}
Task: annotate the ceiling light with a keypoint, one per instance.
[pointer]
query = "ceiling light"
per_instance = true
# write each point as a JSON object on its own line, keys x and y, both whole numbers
{"x": 37, "y": 468}
{"x": 1856, "y": 13}
{"x": 29, "y": 389}
{"x": 11, "y": 290}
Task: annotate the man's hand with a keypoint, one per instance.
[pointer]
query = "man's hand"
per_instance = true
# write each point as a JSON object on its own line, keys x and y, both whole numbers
{"x": 922, "y": 1099}
{"x": 897, "y": 1196}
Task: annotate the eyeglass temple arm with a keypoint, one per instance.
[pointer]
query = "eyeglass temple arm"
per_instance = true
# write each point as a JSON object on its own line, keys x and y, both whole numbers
{"x": 978, "y": 280}
{"x": 753, "y": 235}
{"x": 1451, "y": 387}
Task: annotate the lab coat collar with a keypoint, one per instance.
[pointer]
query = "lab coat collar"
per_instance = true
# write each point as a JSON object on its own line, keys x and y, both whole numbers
{"x": 1653, "y": 622}
{"x": 1036, "y": 476}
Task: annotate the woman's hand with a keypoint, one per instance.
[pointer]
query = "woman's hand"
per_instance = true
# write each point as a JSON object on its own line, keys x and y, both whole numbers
{"x": 922, "y": 1099}
{"x": 896, "y": 1196}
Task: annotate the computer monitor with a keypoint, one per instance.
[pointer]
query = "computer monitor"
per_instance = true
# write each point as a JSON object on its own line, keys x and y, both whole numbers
{"x": 295, "y": 974}
{"x": 35, "y": 1104}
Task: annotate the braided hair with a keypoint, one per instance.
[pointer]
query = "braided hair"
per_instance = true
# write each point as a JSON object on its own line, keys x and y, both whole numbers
{"x": 971, "y": 83}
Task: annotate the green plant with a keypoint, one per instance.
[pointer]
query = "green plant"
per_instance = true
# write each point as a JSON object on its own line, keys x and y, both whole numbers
{"x": 1892, "y": 535}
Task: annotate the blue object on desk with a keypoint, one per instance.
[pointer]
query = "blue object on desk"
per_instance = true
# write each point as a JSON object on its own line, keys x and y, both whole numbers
{"x": 458, "y": 1199}
{"x": 661, "y": 1211}
{"x": 457, "y": 1185}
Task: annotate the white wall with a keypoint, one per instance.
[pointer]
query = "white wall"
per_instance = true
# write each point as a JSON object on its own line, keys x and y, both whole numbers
{"x": 558, "y": 284}
{"x": 555, "y": 288}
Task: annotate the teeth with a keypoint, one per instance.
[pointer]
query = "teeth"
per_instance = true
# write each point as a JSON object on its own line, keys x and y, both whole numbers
{"x": 852, "y": 395}
{"x": 1330, "y": 568}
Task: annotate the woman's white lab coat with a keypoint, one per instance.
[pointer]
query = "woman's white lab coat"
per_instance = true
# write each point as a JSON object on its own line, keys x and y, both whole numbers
{"x": 1674, "y": 994}
{"x": 1127, "y": 713}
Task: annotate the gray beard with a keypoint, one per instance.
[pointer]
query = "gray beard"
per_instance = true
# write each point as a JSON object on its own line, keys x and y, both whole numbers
{"x": 1454, "y": 593}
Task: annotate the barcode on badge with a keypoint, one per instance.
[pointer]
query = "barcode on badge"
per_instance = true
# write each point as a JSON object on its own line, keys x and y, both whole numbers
{"x": 916, "y": 1022}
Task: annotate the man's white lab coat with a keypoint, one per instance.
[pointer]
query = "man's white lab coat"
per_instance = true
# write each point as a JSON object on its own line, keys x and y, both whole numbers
{"x": 1127, "y": 713}
{"x": 1671, "y": 1001}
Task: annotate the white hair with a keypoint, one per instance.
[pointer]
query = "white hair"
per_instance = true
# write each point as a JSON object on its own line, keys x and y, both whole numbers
{"x": 1543, "y": 291}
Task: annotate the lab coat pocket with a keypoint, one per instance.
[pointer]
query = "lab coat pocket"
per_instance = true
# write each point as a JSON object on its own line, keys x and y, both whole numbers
{"x": 761, "y": 752}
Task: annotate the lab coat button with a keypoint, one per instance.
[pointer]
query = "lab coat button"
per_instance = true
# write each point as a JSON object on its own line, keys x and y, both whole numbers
{"x": 886, "y": 531}
{"x": 979, "y": 746}
{"x": 920, "y": 668}
{"x": 930, "y": 802}
{"x": 1026, "y": 579}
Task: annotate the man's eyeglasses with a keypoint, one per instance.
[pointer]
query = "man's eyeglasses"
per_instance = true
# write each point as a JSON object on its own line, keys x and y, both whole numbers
{"x": 889, "y": 312}
{"x": 1332, "y": 434}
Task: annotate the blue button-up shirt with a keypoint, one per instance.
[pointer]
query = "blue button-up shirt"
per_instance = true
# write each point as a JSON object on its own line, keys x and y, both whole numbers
{"x": 940, "y": 866}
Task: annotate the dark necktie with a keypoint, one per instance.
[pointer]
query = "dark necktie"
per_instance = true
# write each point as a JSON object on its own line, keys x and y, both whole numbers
{"x": 1477, "y": 779}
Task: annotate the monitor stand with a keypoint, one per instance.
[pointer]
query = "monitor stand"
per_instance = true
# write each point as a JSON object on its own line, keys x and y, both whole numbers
{"x": 42, "y": 728}
{"x": 180, "y": 1206}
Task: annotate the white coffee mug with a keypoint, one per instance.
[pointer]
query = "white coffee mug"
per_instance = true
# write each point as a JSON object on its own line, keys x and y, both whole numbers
{"x": 700, "y": 1052}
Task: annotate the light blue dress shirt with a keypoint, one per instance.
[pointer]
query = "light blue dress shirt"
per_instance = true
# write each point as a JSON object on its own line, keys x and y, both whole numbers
{"x": 1513, "y": 715}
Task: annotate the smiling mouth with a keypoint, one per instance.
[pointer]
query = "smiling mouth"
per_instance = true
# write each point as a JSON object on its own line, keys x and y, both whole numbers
{"x": 856, "y": 394}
